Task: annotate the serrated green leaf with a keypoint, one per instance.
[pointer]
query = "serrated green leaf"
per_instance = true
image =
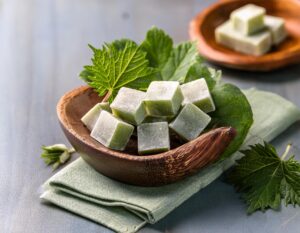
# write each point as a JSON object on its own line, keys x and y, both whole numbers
{"x": 142, "y": 83}
{"x": 182, "y": 57}
{"x": 291, "y": 182}
{"x": 116, "y": 65}
{"x": 264, "y": 178}
{"x": 158, "y": 46}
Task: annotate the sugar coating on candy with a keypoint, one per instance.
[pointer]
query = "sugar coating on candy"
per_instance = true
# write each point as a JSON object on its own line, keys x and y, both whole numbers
{"x": 277, "y": 28}
{"x": 111, "y": 131}
{"x": 197, "y": 93}
{"x": 163, "y": 98}
{"x": 190, "y": 122}
{"x": 248, "y": 19}
{"x": 257, "y": 44}
{"x": 91, "y": 117}
{"x": 128, "y": 105}
{"x": 153, "y": 138}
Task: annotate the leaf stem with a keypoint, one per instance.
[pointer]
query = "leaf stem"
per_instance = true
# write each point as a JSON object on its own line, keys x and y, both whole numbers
{"x": 287, "y": 150}
{"x": 107, "y": 95}
{"x": 71, "y": 150}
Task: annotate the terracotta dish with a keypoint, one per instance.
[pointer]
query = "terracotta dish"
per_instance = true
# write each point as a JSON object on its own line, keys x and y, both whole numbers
{"x": 202, "y": 29}
{"x": 152, "y": 170}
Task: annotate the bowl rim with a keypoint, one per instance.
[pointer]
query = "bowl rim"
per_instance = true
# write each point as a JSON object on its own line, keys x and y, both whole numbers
{"x": 289, "y": 56}
{"x": 61, "y": 108}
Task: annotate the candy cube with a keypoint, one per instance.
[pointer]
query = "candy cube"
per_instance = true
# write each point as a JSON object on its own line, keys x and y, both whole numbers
{"x": 153, "y": 138}
{"x": 190, "y": 122}
{"x": 152, "y": 119}
{"x": 276, "y": 27}
{"x": 128, "y": 105}
{"x": 111, "y": 131}
{"x": 163, "y": 98}
{"x": 197, "y": 93}
{"x": 90, "y": 118}
{"x": 257, "y": 44}
{"x": 248, "y": 19}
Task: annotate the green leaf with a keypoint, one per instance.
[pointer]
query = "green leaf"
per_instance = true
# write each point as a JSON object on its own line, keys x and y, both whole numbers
{"x": 116, "y": 65}
{"x": 142, "y": 83}
{"x": 232, "y": 109}
{"x": 291, "y": 182}
{"x": 200, "y": 70}
{"x": 264, "y": 178}
{"x": 182, "y": 57}
{"x": 85, "y": 76}
{"x": 56, "y": 154}
{"x": 158, "y": 46}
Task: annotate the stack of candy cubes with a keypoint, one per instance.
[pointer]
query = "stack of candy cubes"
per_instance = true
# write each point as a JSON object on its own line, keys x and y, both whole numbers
{"x": 165, "y": 107}
{"x": 249, "y": 30}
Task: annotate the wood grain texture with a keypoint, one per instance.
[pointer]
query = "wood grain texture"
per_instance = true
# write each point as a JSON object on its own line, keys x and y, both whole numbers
{"x": 43, "y": 45}
{"x": 203, "y": 26}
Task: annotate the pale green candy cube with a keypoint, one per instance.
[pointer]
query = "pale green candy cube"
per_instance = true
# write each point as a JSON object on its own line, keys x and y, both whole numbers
{"x": 153, "y": 138}
{"x": 111, "y": 131}
{"x": 90, "y": 118}
{"x": 152, "y": 119}
{"x": 197, "y": 93}
{"x": 163, "y": 98}
{"x": 248, "y": 19}
{"x": 128, "y": 105}
{"x": 277, "y": 28}
{"x": 190, "y": 122}
{"x": 257, "y": 44}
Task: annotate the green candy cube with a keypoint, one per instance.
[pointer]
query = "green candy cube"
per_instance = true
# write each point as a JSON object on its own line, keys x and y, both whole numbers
{"x": 91, "y": 117}
{"x": 152, "y": 119}
{"x": 257, "y": 44}
{"x": 111, "y": 131}
{"x": 277, "y": 28}
{"x": 190, "y": 122}
{"x": 153, "y": 138}
{"x": 197, "y": 93}
{"x": 128, "y": 105}
{"x": 163, "y": 98}
{"x": 248, "y": 19}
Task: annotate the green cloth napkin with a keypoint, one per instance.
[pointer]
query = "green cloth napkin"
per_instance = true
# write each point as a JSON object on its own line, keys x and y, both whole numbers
{"x": 126, "y": 208}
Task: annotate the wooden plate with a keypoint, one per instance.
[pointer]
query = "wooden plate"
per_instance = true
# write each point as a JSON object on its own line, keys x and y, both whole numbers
{"x": 152, "y": 170}
{"x": 202, "y": 29}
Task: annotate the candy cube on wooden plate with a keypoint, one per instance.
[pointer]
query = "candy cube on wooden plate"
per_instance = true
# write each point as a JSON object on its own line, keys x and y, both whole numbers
{"x": 153, "y": 138}
{"x": 128, "y": 105}
{"x": 111, "y": 131}
{"x": 91, "y": 117}
{"x": 248, "y": 19}
{"x": 197, "y": 93}
{"x": 190, "y": 122}
{"x": 276, "y": 27}
{"x": 163, "y": 98}
{"x": 257, "y": 44}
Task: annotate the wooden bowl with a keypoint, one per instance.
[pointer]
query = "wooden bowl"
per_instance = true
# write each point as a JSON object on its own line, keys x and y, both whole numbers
{"x": 202, "y": 29}
{"x": 128, "y": 167}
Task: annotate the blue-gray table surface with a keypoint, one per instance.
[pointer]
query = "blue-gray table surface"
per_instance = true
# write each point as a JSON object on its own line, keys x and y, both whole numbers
{"x": 43, "y": 46}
